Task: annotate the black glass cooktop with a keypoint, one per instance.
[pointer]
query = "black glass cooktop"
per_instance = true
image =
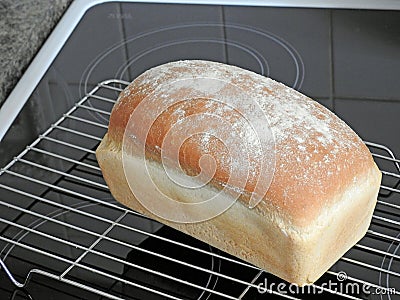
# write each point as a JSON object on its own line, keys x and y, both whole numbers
{"x": 348, "y": 60}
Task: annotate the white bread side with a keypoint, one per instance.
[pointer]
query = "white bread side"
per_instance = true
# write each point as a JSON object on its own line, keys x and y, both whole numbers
{"x": 320, "y": 201}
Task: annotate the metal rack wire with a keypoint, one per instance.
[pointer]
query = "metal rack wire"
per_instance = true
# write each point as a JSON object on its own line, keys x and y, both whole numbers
{"x": 56, "y": 209}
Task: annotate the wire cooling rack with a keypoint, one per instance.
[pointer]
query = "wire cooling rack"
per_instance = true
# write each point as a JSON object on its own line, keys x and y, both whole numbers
{"x": 58, "y": 219}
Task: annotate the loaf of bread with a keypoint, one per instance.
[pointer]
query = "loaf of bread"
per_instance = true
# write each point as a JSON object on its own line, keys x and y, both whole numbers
{"x": 292, "y": 187}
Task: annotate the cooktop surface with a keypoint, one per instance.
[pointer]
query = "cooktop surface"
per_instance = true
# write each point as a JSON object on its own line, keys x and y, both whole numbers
{"x": 346, "y": 59}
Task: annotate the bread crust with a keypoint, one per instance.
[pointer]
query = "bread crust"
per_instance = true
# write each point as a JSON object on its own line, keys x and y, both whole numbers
{"x": 323, "y": 191}
{"x": 317, "y": 154}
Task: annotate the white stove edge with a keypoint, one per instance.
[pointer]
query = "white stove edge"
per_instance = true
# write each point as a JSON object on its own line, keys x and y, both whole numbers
{"x": 42, "y": 61}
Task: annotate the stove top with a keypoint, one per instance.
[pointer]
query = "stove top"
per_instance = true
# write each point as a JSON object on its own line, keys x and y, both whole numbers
{"x": 347, "y": 59}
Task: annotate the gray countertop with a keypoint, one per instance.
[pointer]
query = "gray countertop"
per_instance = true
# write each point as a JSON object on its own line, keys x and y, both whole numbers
{"x": 24, "y": 26}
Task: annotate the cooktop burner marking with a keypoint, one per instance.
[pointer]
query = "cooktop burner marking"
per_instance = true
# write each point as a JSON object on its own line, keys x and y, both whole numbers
{"x": 251, "y": 51}
{"x": 39, "y": 222}
{"x": 262, "y": 61}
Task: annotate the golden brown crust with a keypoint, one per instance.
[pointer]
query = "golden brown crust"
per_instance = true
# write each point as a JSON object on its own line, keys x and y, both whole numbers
{"x": 310, "y": 215}
{"x": 317, "y": 154}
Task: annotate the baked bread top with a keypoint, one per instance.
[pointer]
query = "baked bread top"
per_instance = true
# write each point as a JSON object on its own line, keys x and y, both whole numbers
{"x": 317, "y": 156}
